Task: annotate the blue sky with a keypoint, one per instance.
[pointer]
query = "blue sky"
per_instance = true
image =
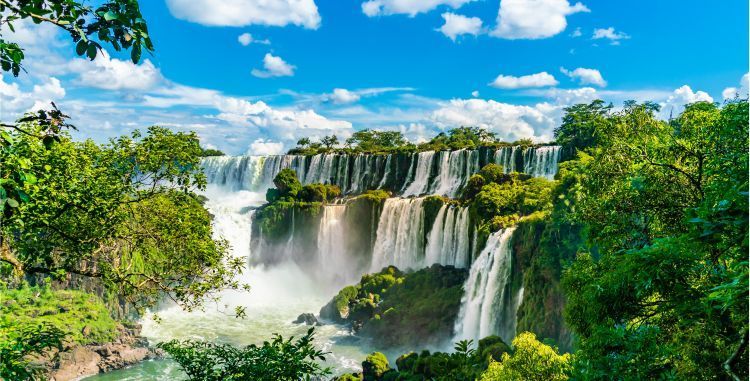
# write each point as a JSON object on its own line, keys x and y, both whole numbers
{"x": 250, "y": 77}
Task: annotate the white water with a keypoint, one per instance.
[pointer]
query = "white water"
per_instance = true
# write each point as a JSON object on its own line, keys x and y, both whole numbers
{"x": 357, "y": 173}
{"x": 399, "y": 233}
{"x": 335, "y": 263}
{"x": 542, "y": 161}
{"x": 421, "y": 178}
{"x": 486, "y": 307}
{"x": 448, "y": 242}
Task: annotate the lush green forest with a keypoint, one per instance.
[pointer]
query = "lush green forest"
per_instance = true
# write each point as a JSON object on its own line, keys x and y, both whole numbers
{"x": 637, "y": 251}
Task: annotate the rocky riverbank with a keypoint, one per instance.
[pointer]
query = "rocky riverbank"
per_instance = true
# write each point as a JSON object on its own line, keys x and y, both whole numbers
{"x": 76, "y": 361}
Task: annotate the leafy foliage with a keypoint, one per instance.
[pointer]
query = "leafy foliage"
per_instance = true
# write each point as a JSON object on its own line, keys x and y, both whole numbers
{"x": 123, "y": 212}
{"x": 116, "y": 23}
{"x": 19, "y": 341}
{"x": 531, "y": 360}
{"x": 279, "y": 359}
{"x": 663, "y": 293}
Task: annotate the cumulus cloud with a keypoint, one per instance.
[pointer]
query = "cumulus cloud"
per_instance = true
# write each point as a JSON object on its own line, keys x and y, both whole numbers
{"x": 542, "y": 79}
{"x": 274, "y": 66}
{"x": 246, "y": 39}
{"x": 265, "y": 147}
{"x": 475, "y": 93}
{"x": 247, "y": 12}
{"x": 676, "y": 102}
{"x": 610, "y": 34}
{"x": 534, "y": 19}
{"x": 456, "y": 25}
{"x": 742, "y": 91}
{"x": 576, "y": 33}
{"x": 510, "y": 122}
{"x": 586, "y": 76}
{"x": 114, "y": 74}
{"x": 373, "y": 8}
{"x": 342, "y": 96}
{"x": 15, "y": 100}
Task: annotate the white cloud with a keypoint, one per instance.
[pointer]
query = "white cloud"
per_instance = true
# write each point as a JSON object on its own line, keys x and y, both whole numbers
{"x": 345, "y": 96}
{"x": 114, "y": 74}
{"x": 247, "y": 12}
{"x": 246, "y": 39}
{"x": 533, "y": 19}
{"x": 576, "y": 33}
{"x": 682, "y": 96}
{"x": 342, "y": 96}
{"x": 742, "y": 91}
{"x": 510, "y": 122}
{"x": 265, "y": 147}
{"x": 14, "y": 101}
{"x": 408, "y": 7}
{"x": 456, "y": 25}
{"x": 274, "y": 66}
{"x": 475, "y": 93}
{"x": 542, "y": 79}
{"x": 586, "y": 76}
{"x": 610, "y": 34}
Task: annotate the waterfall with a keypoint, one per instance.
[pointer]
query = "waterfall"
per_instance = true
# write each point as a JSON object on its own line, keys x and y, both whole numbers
{"x": 421, "y": 179}
{"x": 488, "y": 306}
{"x": 449, "y": 239}
{"x": 400, "y": 235}
{"x": 332, "y": 251}
{"x": 506, "y": 156}
{"x": 542, "y": 161}
{"x": 430, "y": 172}
{"x": 454, "y": 170}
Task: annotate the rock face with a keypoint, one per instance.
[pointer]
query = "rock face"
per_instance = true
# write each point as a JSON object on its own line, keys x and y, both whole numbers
{"x": 77, "y": 361}
{"x": 306, "y": 318}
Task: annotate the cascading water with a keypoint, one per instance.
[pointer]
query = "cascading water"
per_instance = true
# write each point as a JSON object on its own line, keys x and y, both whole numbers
{"x": 429, "y": 172}
{"x": 506, "y": 156}
{"x": 332, "y": 250}
{"x": 420, "y": 180}
{"x": 489, "y": 305}
{"x": 542, "y": 161}
{"x": 449, "y": 240}
{"x": 400, "y": 235}
{"x": 400, "y": 239}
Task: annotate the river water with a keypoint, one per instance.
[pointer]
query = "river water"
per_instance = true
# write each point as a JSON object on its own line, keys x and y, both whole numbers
{"x": 277, "y": 296}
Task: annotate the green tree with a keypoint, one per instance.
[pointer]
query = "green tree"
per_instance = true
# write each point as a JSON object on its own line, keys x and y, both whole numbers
{"x": 373, "y": 141}
{"x": 124, "y": 213}
{"x": 276, "y": 360}
{"x": 330, "y": 142}
{"x": 531, "y": 360}
{"x": 582, "y": 123}
{"x": 664, "y": 292}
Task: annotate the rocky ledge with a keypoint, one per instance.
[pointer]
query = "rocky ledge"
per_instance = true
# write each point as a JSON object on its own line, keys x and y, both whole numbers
{"x": 76, "y": 361}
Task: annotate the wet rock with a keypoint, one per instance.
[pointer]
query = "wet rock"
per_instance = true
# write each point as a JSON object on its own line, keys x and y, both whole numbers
{"x": 307, "y": 318}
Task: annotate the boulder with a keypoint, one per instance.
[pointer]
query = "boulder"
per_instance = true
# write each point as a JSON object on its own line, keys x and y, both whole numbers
{"x": 306, "y": 318}
{"x": 77, "y": 363}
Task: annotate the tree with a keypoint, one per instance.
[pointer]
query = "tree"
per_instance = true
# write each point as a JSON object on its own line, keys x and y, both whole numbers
{"x": 663, "y": 293}
{"x": 124, "y": 213}
{"x": 279, "y": 359}
{"x": 116, "y": 23}
{"x": 373, "y": 141}
{"x": 330, "y": 142}
{"x": 531, "y": 360}
{"x": 582, "y": 124}
{"x": 20, "y": 342}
